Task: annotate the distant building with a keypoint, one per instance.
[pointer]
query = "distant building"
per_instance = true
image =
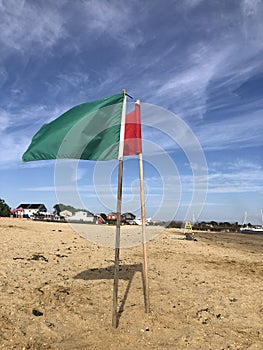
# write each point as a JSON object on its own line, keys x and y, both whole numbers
{"x": 82, "y": 216}
{"x": 100, "y": 218}
{"x": 103, "y": 216}
{"x": 128, "y": 217}
{"x": 65, "y": 213}
{"x": 112, "y": 217}
{"x": 29, "y": 210}
{"x": 125, "y": 217}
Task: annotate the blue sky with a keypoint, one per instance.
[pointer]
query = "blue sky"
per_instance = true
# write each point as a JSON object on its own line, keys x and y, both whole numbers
{"x": 200, "y": 60}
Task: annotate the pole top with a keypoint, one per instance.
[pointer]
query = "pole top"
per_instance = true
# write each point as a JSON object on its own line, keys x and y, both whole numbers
{"x": 124, "y": 91}
{"x": 138, "y": 102}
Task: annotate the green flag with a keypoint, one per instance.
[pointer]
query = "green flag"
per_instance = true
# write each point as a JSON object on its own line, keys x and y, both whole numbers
{"x": 87, "y": 131}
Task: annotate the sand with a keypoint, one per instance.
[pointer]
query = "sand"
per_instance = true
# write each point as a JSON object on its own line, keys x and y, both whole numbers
{"x": 56, "y": 291}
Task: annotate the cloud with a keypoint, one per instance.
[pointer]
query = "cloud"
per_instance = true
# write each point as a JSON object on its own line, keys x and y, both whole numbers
{"x": 12, "y": 147}
{"x": 191, "y": 4}
{"x": 114, "y": 19}
{"x": 17, "y": 128}
{"x": 75, "y": 79}
{"x": 252, "y": 11}
{"x": 242, "y": 182}
{"x": 234, "y": 133}
{"x": 214, "y": 61}
{"x": 187, "y": 89}
{"x": 243, "y": 164}
{"x": 3, "y": 75}
{"x": 5, "y": 120}
{"x": 237, "y": 176}
{"x": 27, "y": 26}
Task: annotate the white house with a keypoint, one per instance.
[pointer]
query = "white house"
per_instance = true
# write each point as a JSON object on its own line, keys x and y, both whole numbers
{"x": 31, "y": 209}
{"x": 65, "y": 213}
{"x": 81, "y": 216}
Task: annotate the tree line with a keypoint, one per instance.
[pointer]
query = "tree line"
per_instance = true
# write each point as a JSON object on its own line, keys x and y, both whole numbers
{"x": 207, "y": 226}
{"x": 4, "y": 208}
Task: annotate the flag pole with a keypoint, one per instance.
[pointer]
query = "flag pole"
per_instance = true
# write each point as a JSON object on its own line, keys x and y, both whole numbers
{"x": 118, "y": 223}
{"x": 145, "y": 259}
{"x": 117, "y": 248}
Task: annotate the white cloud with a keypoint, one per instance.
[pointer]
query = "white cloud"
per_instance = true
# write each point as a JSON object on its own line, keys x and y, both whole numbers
{"x": 12, "y": 148}
{"x": 75, "y": 79}
{"x": 64, "y": 83}
{"x": 252, "y": 12}
{"x": 222, "y": 61}
{"x": 17, "y": 130}
{"x": 114, "y": 19}
{"x": 250, "y": 7}
{"x": 187, "y": 88}
{"x": 244, "y": 164}
{"x": 237, "y": 176}
{"x": 5, "y": 120}
{"x": 191, "y": 4}
{"x": 27, "y": 26}
{"x": 3, "y": 75}
{"x": 242, "y": 131}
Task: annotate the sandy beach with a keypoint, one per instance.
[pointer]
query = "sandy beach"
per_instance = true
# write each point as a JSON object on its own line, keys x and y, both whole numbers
{"x": 56, "y": 291}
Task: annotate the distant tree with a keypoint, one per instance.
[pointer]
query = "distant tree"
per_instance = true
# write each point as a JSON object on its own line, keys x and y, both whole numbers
{"x": 4, "y": 208}
{"x": 214, "y": 223}
{"x": 174, "y": 224}
{"x": 227, "y": 224}
{"x": 234, "y": 227}
{"x": 61, "y": 207}
{"x": 57, "y": 209}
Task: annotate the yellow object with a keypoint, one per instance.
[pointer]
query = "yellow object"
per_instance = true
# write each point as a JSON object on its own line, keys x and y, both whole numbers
{"x": 188, "y": 228}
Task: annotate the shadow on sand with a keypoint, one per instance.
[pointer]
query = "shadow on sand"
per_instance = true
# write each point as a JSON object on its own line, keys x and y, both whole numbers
{"x": 126, "y": 272}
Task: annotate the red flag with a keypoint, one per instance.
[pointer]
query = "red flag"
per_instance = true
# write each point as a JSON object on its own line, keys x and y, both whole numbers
{"x": 132, "y": 135}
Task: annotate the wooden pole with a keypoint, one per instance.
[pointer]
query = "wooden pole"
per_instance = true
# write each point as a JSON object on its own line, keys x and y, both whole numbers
{"x": 118, "y": 223}
{"x": 144, "y": 246}
{"x": 117, "y": 248}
